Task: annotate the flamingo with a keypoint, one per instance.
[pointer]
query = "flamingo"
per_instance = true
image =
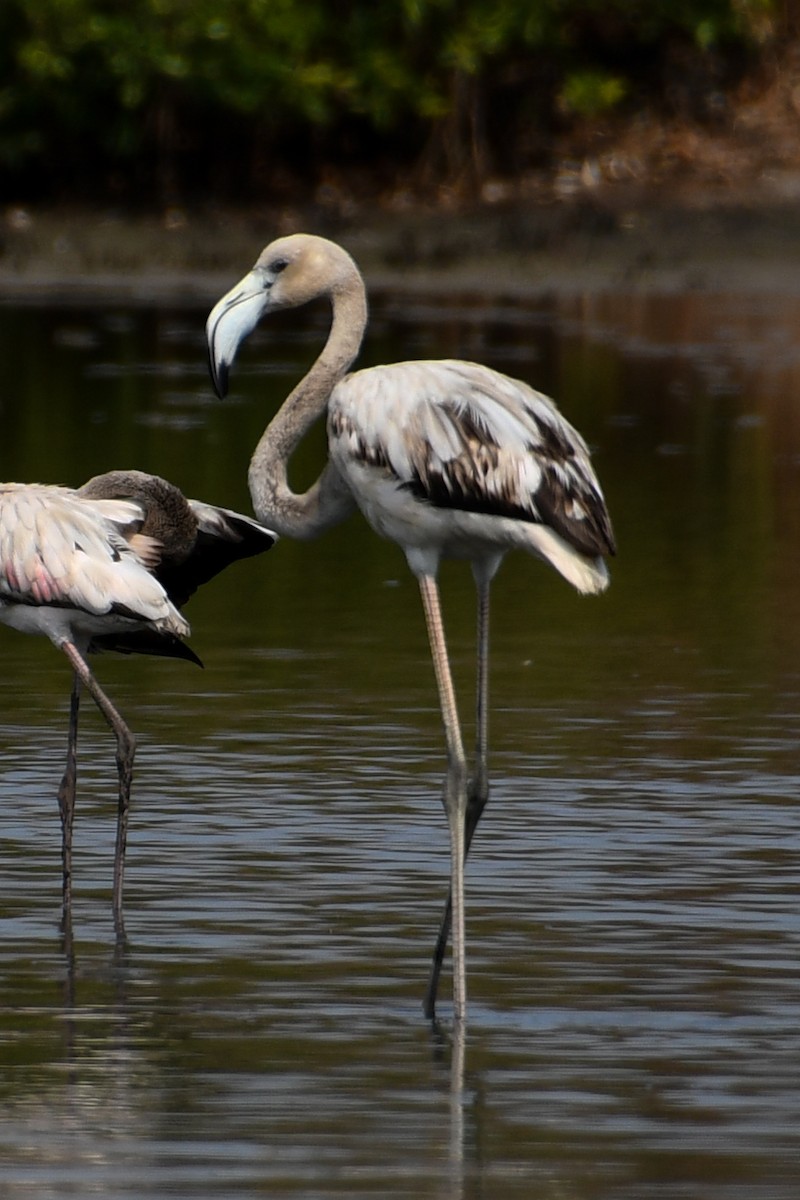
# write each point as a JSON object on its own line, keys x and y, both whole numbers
{"x": 108, "y": 567}
{"x": 447, "y": 458}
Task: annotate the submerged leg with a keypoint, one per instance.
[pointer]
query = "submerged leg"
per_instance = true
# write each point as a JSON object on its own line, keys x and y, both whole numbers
{"x": 477, "y": 791}
{"x": 455, "y": 786}
{"x": 126, "y": 747}
{"x": 66, "y": 800}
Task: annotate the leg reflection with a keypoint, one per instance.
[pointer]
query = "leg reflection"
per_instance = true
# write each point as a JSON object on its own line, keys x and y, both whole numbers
{"x": 456, "y": 1157}
{"x": 451, "y": 1045}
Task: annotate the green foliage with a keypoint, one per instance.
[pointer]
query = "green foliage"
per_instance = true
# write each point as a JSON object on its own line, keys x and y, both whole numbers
{"x": 92, "y": 89}
{"x": 591, "y": 93}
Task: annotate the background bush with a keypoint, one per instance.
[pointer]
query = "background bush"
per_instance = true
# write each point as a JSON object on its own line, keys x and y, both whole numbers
{"x": 165, "y": 101}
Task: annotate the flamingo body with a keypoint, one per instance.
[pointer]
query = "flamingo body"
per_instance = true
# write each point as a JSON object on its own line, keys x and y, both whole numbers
{"x": 452, "y": 459}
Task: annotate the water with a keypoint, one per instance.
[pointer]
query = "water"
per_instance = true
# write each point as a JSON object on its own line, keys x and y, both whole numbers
{"x": 633, "y": 938}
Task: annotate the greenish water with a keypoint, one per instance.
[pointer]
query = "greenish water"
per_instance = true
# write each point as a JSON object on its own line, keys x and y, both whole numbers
{"x": 633, "y": 934}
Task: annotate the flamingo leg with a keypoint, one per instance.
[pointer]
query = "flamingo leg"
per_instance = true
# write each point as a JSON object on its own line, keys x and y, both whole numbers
{"x": 66, "y": 800}
{"x": 455, "y": 786}
{"x": 477, "y": 791}
{"x": 480, "y": 780}
{"x": 126, "y": 747}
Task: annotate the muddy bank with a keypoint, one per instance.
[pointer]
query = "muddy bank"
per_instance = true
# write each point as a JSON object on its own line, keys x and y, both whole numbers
{"x": 620, "y": 240}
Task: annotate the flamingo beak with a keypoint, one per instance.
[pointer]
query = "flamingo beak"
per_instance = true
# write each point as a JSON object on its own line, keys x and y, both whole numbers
{"x": 230, "y": 321}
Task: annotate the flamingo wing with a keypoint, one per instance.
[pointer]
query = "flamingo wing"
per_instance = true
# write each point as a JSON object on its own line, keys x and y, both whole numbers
{"x": 59, "y": 549}
{"x": 461, "y": 436}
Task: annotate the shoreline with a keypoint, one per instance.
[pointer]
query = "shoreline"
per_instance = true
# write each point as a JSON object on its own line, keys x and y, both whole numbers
{"x": 594, "y": 244}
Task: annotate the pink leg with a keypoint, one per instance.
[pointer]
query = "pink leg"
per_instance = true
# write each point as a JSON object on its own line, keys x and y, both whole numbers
{"x": 455, "y": 788}
{"x": 477, "y": 792}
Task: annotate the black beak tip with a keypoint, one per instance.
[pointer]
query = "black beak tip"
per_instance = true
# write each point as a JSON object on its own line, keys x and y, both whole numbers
{"x": 219, "y": 376}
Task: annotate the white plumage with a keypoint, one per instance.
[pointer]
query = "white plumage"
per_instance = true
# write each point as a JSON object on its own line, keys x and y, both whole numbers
{"x": 449, "y": 459}
{"x": 65, "y": 562}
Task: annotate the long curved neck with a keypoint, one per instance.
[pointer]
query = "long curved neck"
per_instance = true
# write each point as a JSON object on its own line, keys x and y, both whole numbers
{"x": 328, "y": 500}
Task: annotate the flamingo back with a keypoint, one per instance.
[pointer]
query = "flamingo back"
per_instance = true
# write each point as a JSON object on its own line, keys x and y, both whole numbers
{"x": 61, "y": 550}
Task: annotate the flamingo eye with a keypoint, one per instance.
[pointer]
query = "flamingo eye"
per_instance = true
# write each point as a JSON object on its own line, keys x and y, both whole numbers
{"x": 278, "y": 265}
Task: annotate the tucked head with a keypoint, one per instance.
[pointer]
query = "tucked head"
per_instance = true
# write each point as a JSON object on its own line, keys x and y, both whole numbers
{"x": 289, "y": 272}
{"x": 167, "y": 517}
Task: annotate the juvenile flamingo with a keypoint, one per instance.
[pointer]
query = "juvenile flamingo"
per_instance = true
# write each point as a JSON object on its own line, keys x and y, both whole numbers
{"x": 448, "y": 459}
{"x": 108, "y": 567}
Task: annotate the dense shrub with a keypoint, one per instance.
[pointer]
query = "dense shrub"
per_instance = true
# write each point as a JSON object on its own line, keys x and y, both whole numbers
{"x": 160, "y": 100}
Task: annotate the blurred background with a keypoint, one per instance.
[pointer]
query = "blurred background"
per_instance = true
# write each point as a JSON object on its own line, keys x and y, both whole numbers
{"x": 341, "y": 113}
{"x": 599, "y": 198}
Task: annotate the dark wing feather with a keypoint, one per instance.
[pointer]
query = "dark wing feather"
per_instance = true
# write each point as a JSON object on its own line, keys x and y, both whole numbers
{"x": 144, "y": 641}
{"x": 223, "y": 537}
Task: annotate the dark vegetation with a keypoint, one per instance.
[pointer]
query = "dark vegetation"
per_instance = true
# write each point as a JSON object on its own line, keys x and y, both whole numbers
{"x": 147, "y": 104}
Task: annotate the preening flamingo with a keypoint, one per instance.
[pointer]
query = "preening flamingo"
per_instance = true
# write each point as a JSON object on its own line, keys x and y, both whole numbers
{"x": 108, "y": 567}
{"x": 449, "y": 459}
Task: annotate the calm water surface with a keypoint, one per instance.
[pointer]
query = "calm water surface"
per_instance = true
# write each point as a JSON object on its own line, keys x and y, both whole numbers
{"x": 633, "y": 924}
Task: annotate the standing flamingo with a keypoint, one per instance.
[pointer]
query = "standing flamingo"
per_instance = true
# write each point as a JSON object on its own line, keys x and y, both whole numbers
{"x": 449, "y": 459}
{"x": 107, "y": 567}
